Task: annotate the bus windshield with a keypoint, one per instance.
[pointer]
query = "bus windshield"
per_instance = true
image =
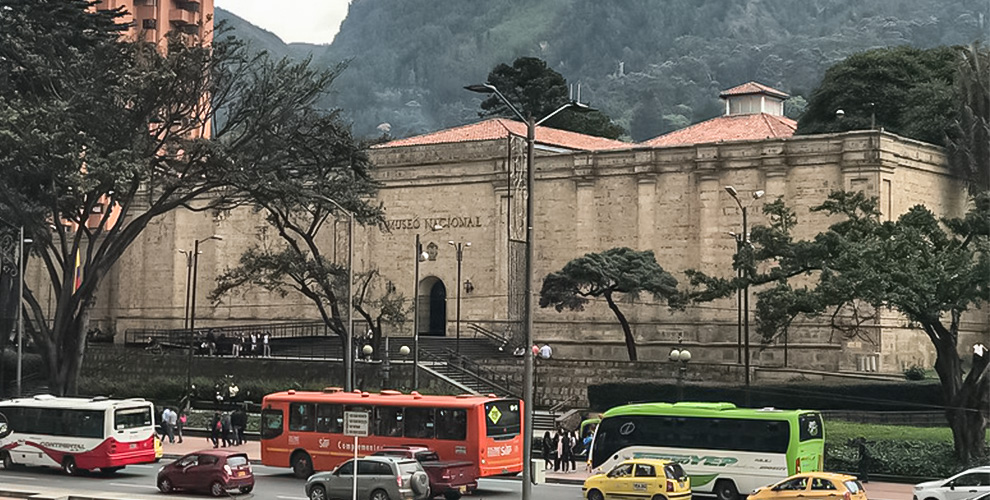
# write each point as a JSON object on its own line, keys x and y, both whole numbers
{"x": 502, "y": 418}
{"x": 132, "y": 418}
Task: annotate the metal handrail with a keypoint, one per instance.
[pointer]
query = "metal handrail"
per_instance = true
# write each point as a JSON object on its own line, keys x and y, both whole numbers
{"x": 560, "y": 406}
{"x": 461, "y": 369}
{"x": 182, "y": 336}
{"x": 504, "y": 383}
{"x": 502, "y": 341}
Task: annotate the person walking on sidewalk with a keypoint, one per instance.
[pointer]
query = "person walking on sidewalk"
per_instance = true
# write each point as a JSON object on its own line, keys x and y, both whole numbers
{"x": 173, "y": 424}
{"x": 215, "y": 429}
{"x": 238, "y": 420}
{"x": 225, "y": 429}
{"x": 181, "y": 424}
{"x": 167, "y": 425}
{"x": 547, "y": 450}
{"x": 864, "y": 459}
{"x": 267, "y": 346}
{"x": 573, "y": 449}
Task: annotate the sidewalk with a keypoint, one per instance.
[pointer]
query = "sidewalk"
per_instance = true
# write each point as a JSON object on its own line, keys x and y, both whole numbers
{"x": 190, "y": 444}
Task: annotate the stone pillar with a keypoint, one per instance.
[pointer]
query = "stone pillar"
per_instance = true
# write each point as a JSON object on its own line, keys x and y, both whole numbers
{"x": 776, "y": 185}
{"x": 645, "y": 209}
{"x": 709, "y": 228}
{"x": 587, "y": 215}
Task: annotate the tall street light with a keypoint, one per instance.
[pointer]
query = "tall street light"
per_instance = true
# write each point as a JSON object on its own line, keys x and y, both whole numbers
{"x": 192, "y": 301}
{"x": 741, "y": 240}
{"x": 420, "y": 256}
{"x": 680, "y": 355}
{"x": 349, "y": 348}
{"x": 22, "y": 268}
{"x": 460, "y": 257}
{"x": 189, "y": 265}
{"x": 531, "y": 124}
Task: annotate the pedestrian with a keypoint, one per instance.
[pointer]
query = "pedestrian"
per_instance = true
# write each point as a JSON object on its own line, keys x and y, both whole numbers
{"x": 182, "y": 424}
{"x": 536, "y": 350}
{"x": 573, "y": 449}
{"x": 546, "y": 352}
{"x": 864, "y": 460}
{"x": 267, "y": 346}
{"x": 238, "y": 419}
{"x": 166, "y": 428}
{"x": 215, "y": 429}
{"x": 244, "y": 345}
{"x": 211, "y": 342}
{"x": 559, "y": 448}
{"x": 225, "y": 429}
{"x": 254, "y": 344}
{"x": 173, "y": 424}
{"x": 547, "y": 450}
{"x": 235, "y": 347}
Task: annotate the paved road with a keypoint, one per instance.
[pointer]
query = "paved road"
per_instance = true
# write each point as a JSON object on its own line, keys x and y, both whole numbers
{"x": 138, "y": 482}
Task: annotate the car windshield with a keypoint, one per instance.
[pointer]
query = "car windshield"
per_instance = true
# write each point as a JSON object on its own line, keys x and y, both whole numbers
{"x": 408, "y": 467}
{"x": 237, "y": 460}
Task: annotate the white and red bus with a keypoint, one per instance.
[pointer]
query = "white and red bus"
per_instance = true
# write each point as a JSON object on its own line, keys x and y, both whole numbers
{"x": 78, "y": 434}
{"x": 304, "y": 430}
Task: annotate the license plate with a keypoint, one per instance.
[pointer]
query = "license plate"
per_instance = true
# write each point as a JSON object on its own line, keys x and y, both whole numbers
{"x": 133, "y": 445}
{"x": 463, "y": 489}
{"x": 241, "y": 473}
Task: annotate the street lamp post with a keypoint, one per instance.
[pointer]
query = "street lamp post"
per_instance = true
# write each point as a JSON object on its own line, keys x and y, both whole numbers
{"x": 531, "y": 124}
{"x": 349, "y": 347}
{"x": 20, "y": 306}
{"x": 192, "y": 303}
{"x": 419, "y": 257}
{"x": 185, "y": 313}
{"x": 681, "y": 355}
{"x": 460, "y": 257}
{"x": 743, "y": 239}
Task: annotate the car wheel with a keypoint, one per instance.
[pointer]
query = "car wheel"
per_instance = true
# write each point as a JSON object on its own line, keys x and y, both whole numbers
{"x": 318, "y": 493}
{"x": 302, "y": 465}
{"x": 69, "y": 466}
{"x": 595, "y": 495}
{"x": 246, "y": 489}
{"x": 726, "y": 490}
{"x": 659, "y": 497}
{"x": 8, "y": 461}
{"x": 165, "y": 485}
{"x": 379, "y": 495}
{"x": 217, "y": 489}
{"x": 452, "y": 495}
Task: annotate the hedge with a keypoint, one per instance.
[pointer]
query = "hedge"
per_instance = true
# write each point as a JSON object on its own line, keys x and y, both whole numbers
{"x": 917, "y": 452}
{"x": 880, "y": 396}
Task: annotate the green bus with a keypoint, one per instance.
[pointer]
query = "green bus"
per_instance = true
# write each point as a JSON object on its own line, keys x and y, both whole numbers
{"x": 725, "y": 450}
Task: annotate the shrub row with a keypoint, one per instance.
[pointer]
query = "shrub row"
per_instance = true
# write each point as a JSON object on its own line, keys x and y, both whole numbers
{"x": 881, "y": 396}
{"x": 165, "y": 390}
{"x": 909, "y": 458}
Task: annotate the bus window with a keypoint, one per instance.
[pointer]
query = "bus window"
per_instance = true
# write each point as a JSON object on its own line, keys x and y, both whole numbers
{"x": 388, "y": 421}
{"x": 810, "y": 426}
{"x": 451, "y": 424}
{"x": 132, "y": 418}
{"x": 271, "y": 423}
{"x": 302, "y": 417}
{"x": 329, "y": 418}
{"x": 502, "y": 418}
{"x": 420, "y": 423}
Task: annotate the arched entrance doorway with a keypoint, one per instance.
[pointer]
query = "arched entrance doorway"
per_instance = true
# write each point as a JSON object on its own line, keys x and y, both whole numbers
{"x": 432, "y": 307}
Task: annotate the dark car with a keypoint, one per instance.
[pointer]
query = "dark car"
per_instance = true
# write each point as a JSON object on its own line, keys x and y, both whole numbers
{"x": 213, "y": 471}
{"x": 449, "y": 478}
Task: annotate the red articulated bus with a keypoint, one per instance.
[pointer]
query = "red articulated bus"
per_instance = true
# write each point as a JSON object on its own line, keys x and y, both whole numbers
{"x": 305, "y": 429}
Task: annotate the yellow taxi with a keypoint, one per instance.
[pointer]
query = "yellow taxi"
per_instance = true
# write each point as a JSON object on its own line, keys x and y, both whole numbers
{"x": 640, "y": 478}
{"x": 159, "y": 450}
{"x": 812, "y": 486}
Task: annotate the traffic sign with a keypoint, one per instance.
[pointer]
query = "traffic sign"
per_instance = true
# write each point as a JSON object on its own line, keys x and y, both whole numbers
{"x": 356, "y": 423}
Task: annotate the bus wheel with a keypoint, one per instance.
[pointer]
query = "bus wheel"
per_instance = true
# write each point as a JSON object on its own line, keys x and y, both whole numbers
{"x": 302, "y": 465}
{"x": 725, "y": 489}
{"x": 595, "y": 495}
{"x": 69, "y": 466}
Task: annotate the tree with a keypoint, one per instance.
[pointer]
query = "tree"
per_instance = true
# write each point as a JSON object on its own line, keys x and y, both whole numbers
{"x": 929, "y": 270}
{"x": 537, "y": 90}
{"x": 606, "y": 274}
{"x": 100, "y": 136}
{"x": 909, "y": 91}
{"x": 378, "y": 302}
{"x": 969, "y": 136}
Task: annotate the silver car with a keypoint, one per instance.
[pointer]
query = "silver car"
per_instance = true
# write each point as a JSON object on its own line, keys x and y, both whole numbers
{"x": 378, "y": 478}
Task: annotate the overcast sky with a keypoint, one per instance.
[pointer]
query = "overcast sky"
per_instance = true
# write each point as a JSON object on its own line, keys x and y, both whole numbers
{"x": 312, "y": 21}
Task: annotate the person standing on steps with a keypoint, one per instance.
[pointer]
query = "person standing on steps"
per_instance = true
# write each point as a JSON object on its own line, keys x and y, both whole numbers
{"x": 547, "y": 450}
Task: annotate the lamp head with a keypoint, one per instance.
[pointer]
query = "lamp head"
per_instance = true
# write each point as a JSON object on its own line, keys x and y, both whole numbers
{"x": 758, "y": 194}
{"x": 28, "y": 241}
{"x": 674, "y": 355}
{"x": 481, "y": 88}
{"x": 580, "y": 107}
{"x": 404, "y": 350}
{"x": 685, "y": 355}
{"x": 367, "y": 350}
{"x": 423, "y": 257}
{"x": 451, "y": 243}
{"x": 840, "y": 114}
{"x": 732, "y": 191}
{"x": 216, "y": 237}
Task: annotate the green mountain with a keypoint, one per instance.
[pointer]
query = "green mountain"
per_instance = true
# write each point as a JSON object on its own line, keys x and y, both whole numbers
{"x": 652, "y": 65}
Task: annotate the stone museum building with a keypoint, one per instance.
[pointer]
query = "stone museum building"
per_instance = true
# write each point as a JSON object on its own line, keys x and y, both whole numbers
{"x": 467, "y": 184}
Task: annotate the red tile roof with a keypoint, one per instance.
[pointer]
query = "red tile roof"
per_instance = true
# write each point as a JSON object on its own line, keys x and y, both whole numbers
{"x": 728, "y": 128}
{"x": 753, "y": 88}
{"x": 499, "y": 128}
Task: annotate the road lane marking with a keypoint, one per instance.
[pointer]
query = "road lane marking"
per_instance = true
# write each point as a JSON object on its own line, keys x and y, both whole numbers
{"x": 142, "y": 486}
{"x": 292, "y": 498}
{"x": 18, "y": 478}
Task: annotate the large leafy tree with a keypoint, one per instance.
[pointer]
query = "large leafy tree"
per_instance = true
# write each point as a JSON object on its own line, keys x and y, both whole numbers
{"x": 908, "y": 91}
{"x": 537, "y": 90}
{"x": 100, "y": 136}
{"x": 931, "y": 271}
{"x": 969, "y": 135}
{"x": 609, "y": 274}
{"x": 380, "y": 303}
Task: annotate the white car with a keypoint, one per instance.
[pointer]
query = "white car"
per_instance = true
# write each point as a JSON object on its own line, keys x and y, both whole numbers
{"x": 963, "y": 486}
